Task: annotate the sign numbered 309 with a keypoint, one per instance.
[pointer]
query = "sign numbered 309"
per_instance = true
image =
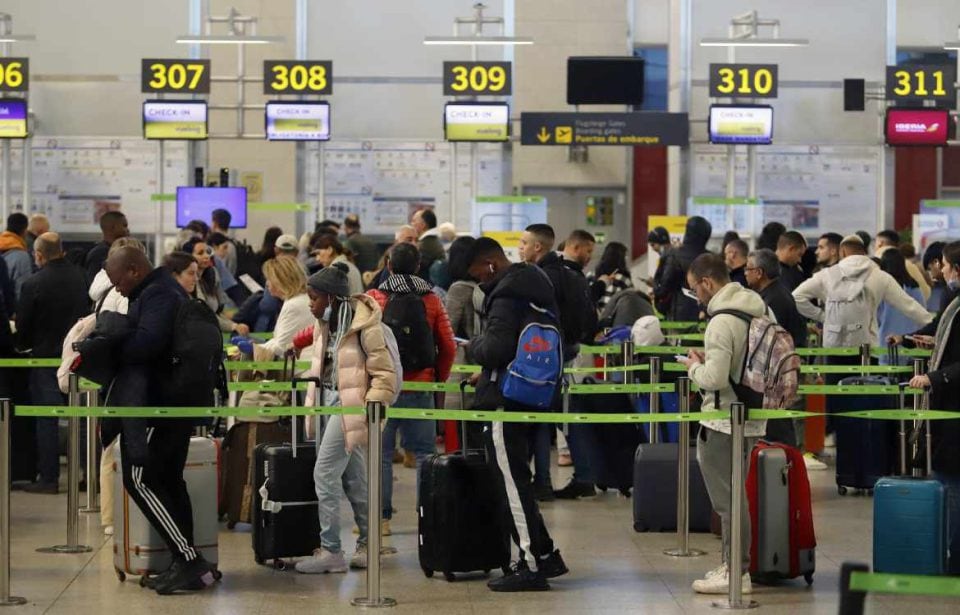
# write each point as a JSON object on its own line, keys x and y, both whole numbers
{"x": 175, "y": 76}
{"x": 14, "y": 74}
{"x": 476, "y": 78}
{"x": 743, "y": 80}
{"x": 297, "y": 77}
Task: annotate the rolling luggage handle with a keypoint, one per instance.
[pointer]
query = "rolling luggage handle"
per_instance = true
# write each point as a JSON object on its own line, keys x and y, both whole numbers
{"x": 293, "y": 419}
{"x": 463, "y": 424}
{"x": 654, "y": 429}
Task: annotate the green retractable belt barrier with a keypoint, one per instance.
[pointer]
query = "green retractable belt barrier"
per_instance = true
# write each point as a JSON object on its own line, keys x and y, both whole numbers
{"x": 597, "y": 389}
{"x": 828, "y": 352}
{"x": 855, "y": 369}
{"x": 664, "y": 349}
{"x": 465, "y": 369}
{"x": 436, "y": 387}
{"x": 907, "y": 584}
{"x": 30, "y": 362}
{"x": 605, "y": 370}
{"x": 265, "y": 386}
{"x": 671, "y": 325}
{"x": 693, "y": 337}
{"x": 855, "y": 389}
{"x": 261, "y": 365}
{"x": 607, "y": 349}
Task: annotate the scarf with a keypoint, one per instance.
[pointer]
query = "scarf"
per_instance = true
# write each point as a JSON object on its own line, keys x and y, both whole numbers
{"x": 944, "y": 327}
{"x": 344, "y": 316}
{"x": 400, "y": 284}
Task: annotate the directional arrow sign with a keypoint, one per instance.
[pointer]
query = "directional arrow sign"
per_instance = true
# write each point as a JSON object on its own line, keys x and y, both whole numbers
{"x": 638, "y": 128}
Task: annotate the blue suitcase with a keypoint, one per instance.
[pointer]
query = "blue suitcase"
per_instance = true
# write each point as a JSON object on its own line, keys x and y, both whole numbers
{"x": 668, "y": 432}
{"x": 909, "y": 526}
{"x": 866, "y": 449}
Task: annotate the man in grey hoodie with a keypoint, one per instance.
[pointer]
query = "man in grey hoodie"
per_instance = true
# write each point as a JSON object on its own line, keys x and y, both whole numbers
{"x": 713, "y": 371}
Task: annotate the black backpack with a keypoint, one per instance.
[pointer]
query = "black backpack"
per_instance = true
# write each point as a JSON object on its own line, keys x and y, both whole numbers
{"x": 196, "y": 355}
{"x": 248, "y": 262}
{"x": 406, "y": 315}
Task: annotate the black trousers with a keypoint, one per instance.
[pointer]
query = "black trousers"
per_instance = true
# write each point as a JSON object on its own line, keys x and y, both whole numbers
{"x": 508, "y": 448}
{"x": 158, "y": 487}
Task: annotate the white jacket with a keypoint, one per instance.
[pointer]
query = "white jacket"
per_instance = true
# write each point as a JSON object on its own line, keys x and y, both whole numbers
{"x": 879, "y": 286}
{"x": 295, "y": 316}
{"x": 725, "y": 345}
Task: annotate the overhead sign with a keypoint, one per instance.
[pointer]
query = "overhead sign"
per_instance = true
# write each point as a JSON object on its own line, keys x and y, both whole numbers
{"x": 743, "y": 80}
{"x": 14, "y": 74}
{"x": 175, "y": 76}
{"x": 917, "y": 126}
{"x": 297, "y": 77}
{"x": 297, "y": 121}
{"x": 476, "y": 78}
{"x": 927, "y": 82}
{"x": 637, "y": 128}
{"x": 174, "y": 119}
{"x": 741, "y": 124}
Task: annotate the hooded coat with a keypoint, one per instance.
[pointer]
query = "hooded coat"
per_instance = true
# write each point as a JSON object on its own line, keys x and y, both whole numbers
{"x": 668, "y": 292}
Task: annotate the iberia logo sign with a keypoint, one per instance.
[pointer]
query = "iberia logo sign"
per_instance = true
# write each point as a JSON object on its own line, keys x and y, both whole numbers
{"x": 916, "y": 127}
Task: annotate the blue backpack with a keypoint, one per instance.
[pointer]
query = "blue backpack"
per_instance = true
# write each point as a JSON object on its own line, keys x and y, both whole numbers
{"x": 533, "y": 376}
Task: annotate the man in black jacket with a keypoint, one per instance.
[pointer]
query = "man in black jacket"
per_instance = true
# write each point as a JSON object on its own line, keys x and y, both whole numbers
{"x": 735, "y": 256}
{"x": 668, "y": 293}
{"x": 763, "y": 276}
{"x": 790, "y": 249}
{"x": 509, "y": 290}
{"x": 154, "y": 453}
{"x": 51, "y": 301}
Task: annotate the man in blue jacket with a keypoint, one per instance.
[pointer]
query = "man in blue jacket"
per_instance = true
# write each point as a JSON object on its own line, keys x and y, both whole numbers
{"x": 154, "y": 452}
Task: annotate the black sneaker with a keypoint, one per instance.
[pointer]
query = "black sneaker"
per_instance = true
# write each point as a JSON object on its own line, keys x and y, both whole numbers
{"x": 575, "y": 490}
{"x": 183, "y": 575}
{"x": 552, "y": 566}
{"x": 520, "y": 579}
{"x": 544, "y": 493}
{"x": 159, "y": 578}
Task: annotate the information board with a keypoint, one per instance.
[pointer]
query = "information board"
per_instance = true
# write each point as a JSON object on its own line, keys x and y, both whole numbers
{"x": 384, "y": 182}
{"x": 813, "y": 189}
{"x": 75, "y": 180}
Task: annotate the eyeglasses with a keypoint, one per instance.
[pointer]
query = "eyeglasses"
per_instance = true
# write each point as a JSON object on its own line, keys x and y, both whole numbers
{"x": 745, "y": 269}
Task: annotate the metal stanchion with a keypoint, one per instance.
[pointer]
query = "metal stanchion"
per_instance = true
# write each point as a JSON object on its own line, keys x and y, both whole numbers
{"x": 683, "y": 478}
{"x": 738, "y": 418}
{"x": 654, "y": 429}
{"x": 93, "y": 468}
{"x": 373, "y": 599}
{"x": 865, "y": 355}
{"x": 627, "y": 361}
{"x": 6, "y": 418}
{"x": 918, "y": 370}
{"x": 73, "y": 479}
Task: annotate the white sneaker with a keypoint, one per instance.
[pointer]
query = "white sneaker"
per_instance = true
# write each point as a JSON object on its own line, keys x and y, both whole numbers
{"x": 812, "y": 463}
{"x": 719, "y": 583}
{"x": 830, "y": 441}
{"x": 322, "y": 561}
{"x": 720, "y": 570}
{"x": 108, "y": 530}
{"x": 359, "y": 559}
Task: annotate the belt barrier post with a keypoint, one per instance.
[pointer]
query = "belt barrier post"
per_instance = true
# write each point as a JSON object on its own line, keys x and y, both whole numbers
{"x": 93, "y": 468}
{"x": 864, "y": 355}
{"x": 6, "y": 418}
{"x": 919, "y": 368}
{"x": 73, "y": 478}
{"x": 654, "y": 429}
{"x": 627, "y": 361}
{"x": 565, "y": 401}
{"x": 683, "y": 478}
{"x": 738, "y": 418}
{"x": 373, "y": 599}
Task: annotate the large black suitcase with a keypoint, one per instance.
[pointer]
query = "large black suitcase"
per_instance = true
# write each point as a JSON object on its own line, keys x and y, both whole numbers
{"x": 460, "y": 516}
{"x": 290, "y": 526}
{"x": 655, "y": 490}
{"x": 616, "y": 442}
{"x": 866, "y": 449}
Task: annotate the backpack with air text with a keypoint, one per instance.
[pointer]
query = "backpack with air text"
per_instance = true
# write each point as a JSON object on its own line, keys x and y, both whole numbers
{"x": 533, "y": 377}
{"x": 196, "y": 355}
{"x": 406, "y": 315}
{"x": 846, "y": 309}
{"x": 771, "y": 367}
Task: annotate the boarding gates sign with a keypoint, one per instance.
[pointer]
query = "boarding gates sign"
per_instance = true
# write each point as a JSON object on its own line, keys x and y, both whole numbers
{"x": 640, "y": 128}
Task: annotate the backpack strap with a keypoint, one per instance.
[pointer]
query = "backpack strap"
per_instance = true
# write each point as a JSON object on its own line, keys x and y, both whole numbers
{"x": 748, "y": 319}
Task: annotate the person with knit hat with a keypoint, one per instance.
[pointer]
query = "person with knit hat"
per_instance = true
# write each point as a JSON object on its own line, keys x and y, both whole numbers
{"x": 354, "y": 366}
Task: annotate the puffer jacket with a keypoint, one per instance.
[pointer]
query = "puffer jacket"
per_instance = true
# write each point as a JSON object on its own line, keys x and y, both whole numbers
{"x": 725, "y": 346}
{"x": 669, "y": 290}
{"x": 366, "y": 371}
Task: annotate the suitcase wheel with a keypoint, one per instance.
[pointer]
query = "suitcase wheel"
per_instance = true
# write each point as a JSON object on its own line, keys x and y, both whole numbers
{"x": 450, "y": 577}
{"x": 427, "y": 573}
{"x": 217, "y": 575}
{"x": 279, "y": 564}
{"x": 842, "y": 490}
{"x": 808, "y": 577}
{"x": 639, "y": 526}
{"x": 143, "y": 581}
{"x": 121, "y": 575}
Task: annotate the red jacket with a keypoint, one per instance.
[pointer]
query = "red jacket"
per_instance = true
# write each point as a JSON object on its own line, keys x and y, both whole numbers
{"x": 442, "y": 335}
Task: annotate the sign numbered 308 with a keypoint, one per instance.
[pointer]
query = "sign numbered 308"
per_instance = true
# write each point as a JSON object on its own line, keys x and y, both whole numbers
{"x": 743, "y": 80}
{"x": 297, "y": 77}
{"x": 175, "y": 76}
{"x": 477, "y": 78}
{"x": 14, "y": 74}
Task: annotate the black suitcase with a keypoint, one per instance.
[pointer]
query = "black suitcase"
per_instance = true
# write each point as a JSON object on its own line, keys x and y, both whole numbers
{"x": 655, "y": 490}
{"x": 866, "y": 449}
{"x": 616, "y": 442}
{"x": 293, "y": 528}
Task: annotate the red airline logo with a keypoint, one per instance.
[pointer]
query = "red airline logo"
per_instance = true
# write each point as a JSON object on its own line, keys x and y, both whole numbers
{"x": 537, "y": 344}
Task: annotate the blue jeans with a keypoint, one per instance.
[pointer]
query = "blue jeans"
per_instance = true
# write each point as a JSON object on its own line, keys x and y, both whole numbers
{"x": 417, "y": 436}
{"x": 582, "y": 441}
{"x": 45, "y": 391}
{"x": 952, "y": 484}
{"x": 336, "y": 472}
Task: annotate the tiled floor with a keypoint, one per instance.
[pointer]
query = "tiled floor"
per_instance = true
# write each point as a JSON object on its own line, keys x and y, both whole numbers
{"x": 613, "y": 569}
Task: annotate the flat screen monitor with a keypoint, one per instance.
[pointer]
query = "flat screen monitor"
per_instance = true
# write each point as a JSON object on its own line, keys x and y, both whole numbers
{"x": 470, "y": 121}
{"x": 605, "y": 80}
{"x": 199, "y": 203}
{"x": 917, "y": 126}
{"x": 741, "y": 124}
{"x": 174, "y": 119}
{"x": 297, "y": 121}
{"x": 13, "y": 118}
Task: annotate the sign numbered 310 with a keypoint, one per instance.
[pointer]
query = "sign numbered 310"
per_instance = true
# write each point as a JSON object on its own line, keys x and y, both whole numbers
{"x": 476, "y": 78}
{"x": 743, "y": 80}
{"x": 14, "y": 74}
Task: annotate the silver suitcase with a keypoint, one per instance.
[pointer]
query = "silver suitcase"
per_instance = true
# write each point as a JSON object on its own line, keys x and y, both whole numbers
{"x": 137, "y": 547}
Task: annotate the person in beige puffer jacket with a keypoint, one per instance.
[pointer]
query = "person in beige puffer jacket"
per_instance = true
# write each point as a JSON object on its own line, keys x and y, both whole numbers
{"x": 354, "y": 365}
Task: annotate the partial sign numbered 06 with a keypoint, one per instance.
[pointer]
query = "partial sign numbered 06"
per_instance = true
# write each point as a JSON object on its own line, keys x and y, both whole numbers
{"x": 14, "y": 74}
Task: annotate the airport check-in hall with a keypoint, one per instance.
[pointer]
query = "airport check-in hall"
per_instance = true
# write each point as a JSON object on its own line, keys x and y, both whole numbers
{"x": 512, "y": 306}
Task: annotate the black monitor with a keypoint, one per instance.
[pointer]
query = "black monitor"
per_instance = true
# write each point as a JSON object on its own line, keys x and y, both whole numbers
{"x": 605, "y": 80}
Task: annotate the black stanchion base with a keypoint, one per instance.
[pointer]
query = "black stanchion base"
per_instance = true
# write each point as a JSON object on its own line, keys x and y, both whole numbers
{"x": 66, "y": 549}
{"x": 366, "y": 603}
{"x": 682, "y": 553}
{"x": 13, "y": 601}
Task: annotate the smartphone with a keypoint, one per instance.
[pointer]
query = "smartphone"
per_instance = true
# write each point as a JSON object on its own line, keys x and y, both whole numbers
{"x": 461, "y": 341}
{"x": 680, "y": 357}
{"x": 690, "y": 294}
